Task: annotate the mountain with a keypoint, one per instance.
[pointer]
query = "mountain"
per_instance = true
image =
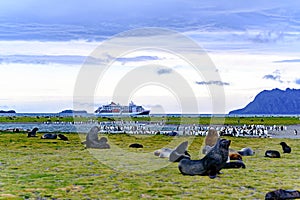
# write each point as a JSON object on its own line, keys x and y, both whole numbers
{"x": 273, "y": 102}
{"x": 9, "y": 111}
{"x": 73, "y": 112}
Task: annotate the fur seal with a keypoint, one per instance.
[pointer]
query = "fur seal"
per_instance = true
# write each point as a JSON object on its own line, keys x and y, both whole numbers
{"x": 92, "y": 140}
{"x": 16, "y": 130}
{"x": 286, "y": 148}
{"x": 103, "y": 143}
{"x": 272, "y": 154}
{"x": 174, "y": 155}
{"x": 62, "y": 137}
{"x": 235, "y": 156}
{"x": 210, "y": 140}
{"x": 136, "y": 145}
{"x": 163, "y": 152}
{"x": 206, "y": 149}
{"x": 234, "y": 164}
{"x": 172, "y": 133}
{"x": 282, "y": 194}
{"x": 246, "y": 152}
{"x": 211, "y": 137}
{"x": 211, "y": 164}
{"x": 32, "y": 133}
{"x": 179, "y": 152}
{"x": 49, "y": 136}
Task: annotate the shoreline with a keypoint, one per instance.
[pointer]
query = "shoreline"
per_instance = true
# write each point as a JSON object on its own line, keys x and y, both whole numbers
{"x": 287, "y": 131}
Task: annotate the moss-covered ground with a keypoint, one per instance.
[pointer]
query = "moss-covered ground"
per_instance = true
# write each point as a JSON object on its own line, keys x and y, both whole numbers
{"x": 32, "y": 168}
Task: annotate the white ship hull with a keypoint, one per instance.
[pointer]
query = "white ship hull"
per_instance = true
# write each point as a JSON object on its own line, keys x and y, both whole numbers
{"x": 114, "y": 109}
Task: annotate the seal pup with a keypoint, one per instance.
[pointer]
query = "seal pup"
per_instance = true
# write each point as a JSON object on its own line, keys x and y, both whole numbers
{"x": 210, "y": 140}
{"x": 286, "y": 148}
{"x": 32, "y": 133}
{"x": 282, "y": 194}
{"x": 235, "y": 156}
{"x": 136, "y": 145}
{"x": 49, "y": 136}
{"x": 174, "y": 155}
{"x": 272, "y": 154}
{"x": 103, "y": 143}
{"x": 246, "y": 152}
{"x": 210, "y": 164}
{"x": 163, "y": 152}
{"x": 62, "y": 137}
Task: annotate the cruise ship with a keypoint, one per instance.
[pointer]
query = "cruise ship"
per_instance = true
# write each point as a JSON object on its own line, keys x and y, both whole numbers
{"x": 117, "y": 109}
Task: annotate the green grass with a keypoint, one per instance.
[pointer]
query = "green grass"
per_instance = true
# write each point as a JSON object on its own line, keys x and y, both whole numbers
{"x": 31, "y": 168}
{"x": 167, "y": 120}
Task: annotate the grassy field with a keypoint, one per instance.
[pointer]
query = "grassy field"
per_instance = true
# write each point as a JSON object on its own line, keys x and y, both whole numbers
{"x": 31, "y": 168}
{"x": 167, "y": 120}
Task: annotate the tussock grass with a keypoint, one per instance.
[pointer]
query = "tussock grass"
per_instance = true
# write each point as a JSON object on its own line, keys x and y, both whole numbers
{"x": 32, "y": 168}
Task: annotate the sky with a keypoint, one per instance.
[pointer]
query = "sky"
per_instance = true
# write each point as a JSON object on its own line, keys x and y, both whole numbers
{"x": 45, "y": 46}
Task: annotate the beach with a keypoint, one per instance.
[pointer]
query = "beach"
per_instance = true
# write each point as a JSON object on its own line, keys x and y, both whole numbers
{"x": 288, "y": 133}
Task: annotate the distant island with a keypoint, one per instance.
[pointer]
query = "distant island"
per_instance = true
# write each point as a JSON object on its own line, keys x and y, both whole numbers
{"x": 73, "y": 112}
{"x": 9, "y": 111}
{"x": 273, "y": 102}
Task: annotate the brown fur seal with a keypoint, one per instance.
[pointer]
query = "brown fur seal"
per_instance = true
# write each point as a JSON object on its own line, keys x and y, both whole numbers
{"x": 211, "y": 137}
{"x": 211, "y": 164}
{"x": 210, "y": 140}
{"x": 235, "y": 156}
{"x": 92, "y": 140}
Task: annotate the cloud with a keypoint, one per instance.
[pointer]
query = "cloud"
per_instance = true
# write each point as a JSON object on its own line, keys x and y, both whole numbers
{"x": 297, "y": 81}
{"x": 42, "y": 59}
{"x": 164, "y": 71}
{"x": 4, "y": 107}
{"x": 66, "y": 59}
{"x": 124, "y": 60}
{"x": 219, "y": 83}
{"x": 276, "y": 76}
{"x": 57, "y": 32}
{"x": 288, "y": 61}
{"x": 44, "y": 20}
{"x": 267, "y": 37}
{"x": 272, "y": 77}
